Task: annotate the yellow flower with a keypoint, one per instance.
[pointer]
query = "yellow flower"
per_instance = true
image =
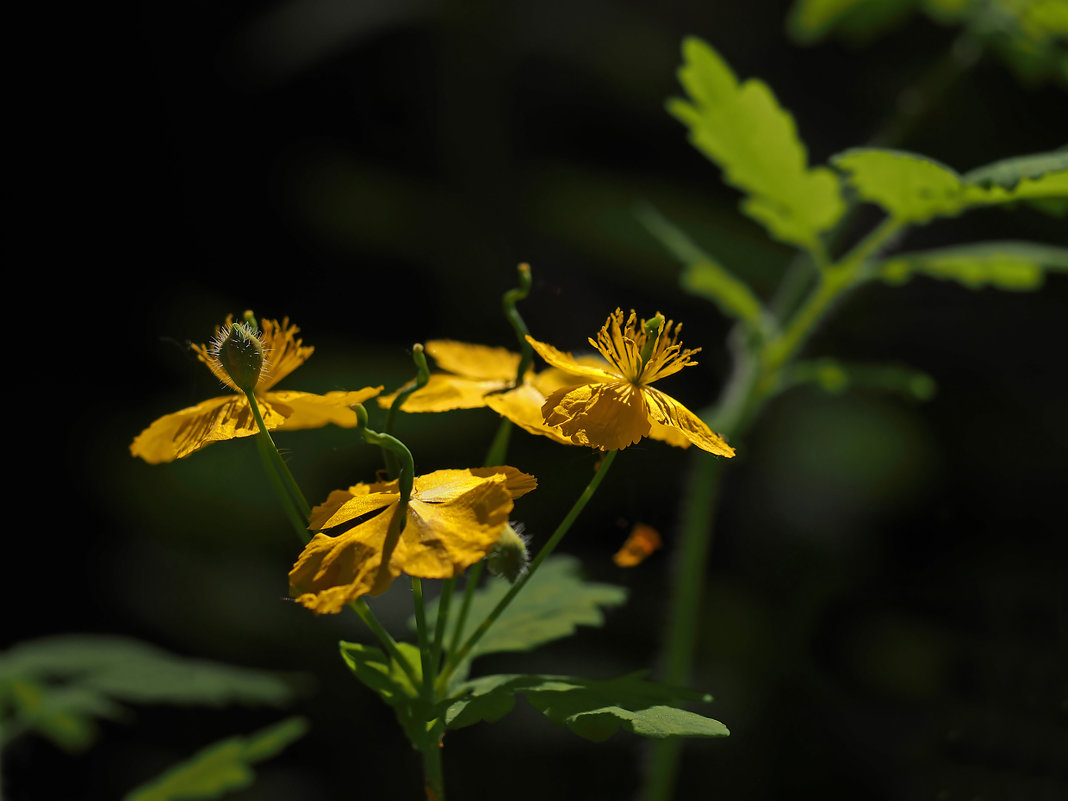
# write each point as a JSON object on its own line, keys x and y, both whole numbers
{"x": 229, "y": 417}
{"x": 615, "y": 406}
{"x": 453, "y": 518}
{"x": 471, "y": 372}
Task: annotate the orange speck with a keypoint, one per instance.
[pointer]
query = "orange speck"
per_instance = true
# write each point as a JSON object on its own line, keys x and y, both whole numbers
{"x": 641, "y": 542}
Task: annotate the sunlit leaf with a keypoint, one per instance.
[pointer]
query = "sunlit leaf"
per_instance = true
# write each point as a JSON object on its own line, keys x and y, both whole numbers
{"x": 555, "y": 601}
{"x": 590, "y": 708}
{"x": 742, "y": 128}
{"x": 1010, "y": 265}
{"x": 221, "y": 767}
{"x": 856, "y": 21}
{"x": 915, "y": 189}
{"x": 388, "y": 679}
{"x": 702, "y": 274}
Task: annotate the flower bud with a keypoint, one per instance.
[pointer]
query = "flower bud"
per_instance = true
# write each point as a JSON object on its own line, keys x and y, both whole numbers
{"x": 508, "y": 557}
{"x": 240, "y": 354}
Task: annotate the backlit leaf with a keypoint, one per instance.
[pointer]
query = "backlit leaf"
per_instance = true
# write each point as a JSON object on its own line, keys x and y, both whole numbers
{"x": 915, "y": 189}
{"x": 1010, "y": 265}
{"x": 555, "y": 601}
{"x": 221, "y": 767}
{"x": 743, "y": 129}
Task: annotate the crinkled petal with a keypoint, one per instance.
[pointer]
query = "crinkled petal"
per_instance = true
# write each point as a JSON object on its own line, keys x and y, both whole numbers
{"x": 454, "y": 518}
{"x": 522, "y": 406}
{"x": 669, "y": 412}
{"x": 444, "y": 392}
{"x": 570, "y": 364}
{"x": 516, "y": 482}
{"x": 607, "y": 416}
{"x": 182, "y": 433}
{"x": 306, "y": 410}
{"x": 479, "y": 362}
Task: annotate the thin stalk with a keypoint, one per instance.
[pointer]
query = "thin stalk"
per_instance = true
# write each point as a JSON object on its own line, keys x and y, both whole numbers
{"x": 456, "y": 657}
{"x": 424, "y": 640}
{"x": 299, "y": 523}
{"x": 473, "y": 577}
{"x": 499, "y": 447}
{"x": 280, "y": 465}
{"x": 368, "y": 617}
{"x": 444, "y": 602}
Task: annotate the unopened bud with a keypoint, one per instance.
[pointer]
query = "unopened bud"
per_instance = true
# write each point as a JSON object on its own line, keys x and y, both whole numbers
{"x": 240, "y": 354}
{"x": 508, "y": 557}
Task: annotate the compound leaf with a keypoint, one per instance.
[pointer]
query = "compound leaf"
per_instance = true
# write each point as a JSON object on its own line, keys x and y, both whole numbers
{"x": 742, "y": 128}
{"x": 594, "y": 709}
{"x": 1011, "y": 265}
{"x": 221, "y": 767}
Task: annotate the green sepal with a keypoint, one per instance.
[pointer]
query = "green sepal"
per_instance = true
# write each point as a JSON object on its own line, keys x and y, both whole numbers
{"x": 1010, "y": 265}
{"x": 743, "y": 129}
{"x": 222, "y": 766}
{"x": 593, "y": 709}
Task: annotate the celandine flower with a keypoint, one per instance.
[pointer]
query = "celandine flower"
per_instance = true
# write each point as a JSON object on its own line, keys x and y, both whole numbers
{"x": 471, "y": 372}
{"x": 615, "y": 406}
{"x": 229, "y": 417}
{"x": 453, "y": 518}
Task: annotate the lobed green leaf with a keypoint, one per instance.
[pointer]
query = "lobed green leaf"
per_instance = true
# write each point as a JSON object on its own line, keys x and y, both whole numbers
{"x": 702, "y": 274}
{"x": 221, "y": 767}
{"x": 743, "y": 129}
{"x": 594, "y": 709}
{"x": 1010, "y": 265}
{"x": 915, "y": 189}
{"x": 555, "y": 601}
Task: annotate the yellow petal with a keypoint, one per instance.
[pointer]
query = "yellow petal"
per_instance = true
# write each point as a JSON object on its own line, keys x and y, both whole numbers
{"x": 284, "y": 352}
{"x": 516, "y": 482}
{"x": 669, "y": 412}
{"x": 454, "y": 518}
{"x": 607, "y": 416}
{"x": 444, "y": 392}
{"x": 474, "y": 361}
{"x": 305, "y": 410}
{"x": 522, "y": 406}
{"x": 182, "y": 433}
{"x": 569, "y": 364}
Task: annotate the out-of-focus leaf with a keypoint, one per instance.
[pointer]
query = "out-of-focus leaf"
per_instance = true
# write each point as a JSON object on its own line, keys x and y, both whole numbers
{"x": 64, "y": 715}
{"x": 221, "y": 767}
{"x": 835, "y": 378}
{"x": 134, "y": 671}
{"x": 856, "y": 21}
{"x": 915, "y": 189}
{"x": 555, "y": 601}
{"x": 1017, "y": 266}
{"x": 702, "y": 274}
{"x": 742, "y": 128}
{"x": 592, "y": 709}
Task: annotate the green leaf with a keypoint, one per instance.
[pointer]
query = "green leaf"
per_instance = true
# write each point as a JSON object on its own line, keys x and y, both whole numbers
{"x": 592, "y": 709}
{"x": 133, "y": 671}
{"x": 221, "y": 767}
{"x": 703, "y": 275}
{"x": 856, "y": 21}
{"x": 1011, "y": 265}
{"x": 1008, "y": 173}
{"x": 835, "y": 378}
{"x": 383, "y": 675}
{"x": 743, "y": 128}
{"x": 916, "y": 189}
{"x": 58, "y": 686}
{"x": 555, "y": 601}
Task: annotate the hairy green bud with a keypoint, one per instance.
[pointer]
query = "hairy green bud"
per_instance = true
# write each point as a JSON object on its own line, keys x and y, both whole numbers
{"x": 508, "y": 557}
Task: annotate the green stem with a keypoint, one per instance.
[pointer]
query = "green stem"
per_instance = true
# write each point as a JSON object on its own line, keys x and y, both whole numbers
{"x": 368, "y": 617}
{"x": 456, "y": 657}
{"x": 434, "y": 781}
{"x": 444, "y": 602}
{"x": 498, "y": 449}
{"x": 280, "y": 464}
{"x": 424, "y": 640}
{"x": 469, "y": 593}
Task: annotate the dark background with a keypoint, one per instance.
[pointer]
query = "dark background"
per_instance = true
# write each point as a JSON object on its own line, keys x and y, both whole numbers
{"x": 884, "y": 616}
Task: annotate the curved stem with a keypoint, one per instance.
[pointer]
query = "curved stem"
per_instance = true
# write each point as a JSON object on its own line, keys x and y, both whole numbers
{"x": 459, "y": 655}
